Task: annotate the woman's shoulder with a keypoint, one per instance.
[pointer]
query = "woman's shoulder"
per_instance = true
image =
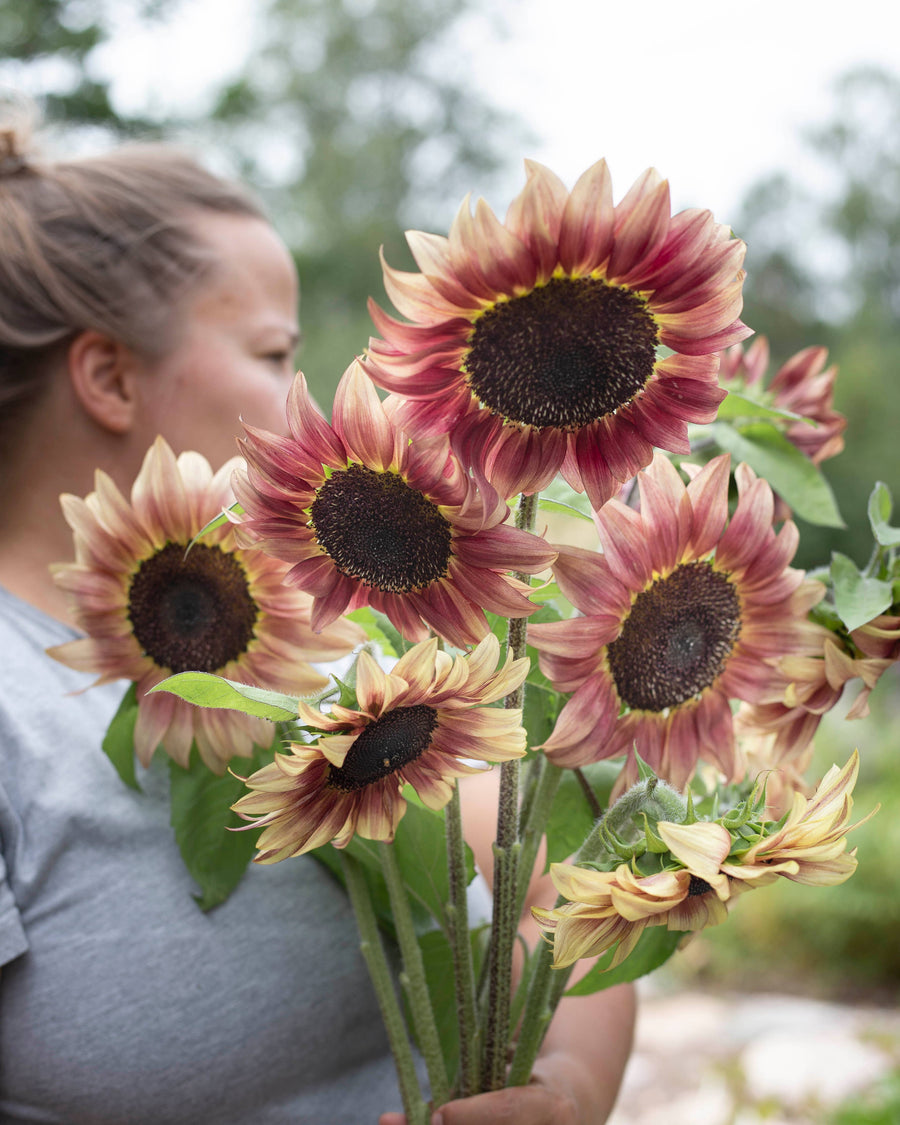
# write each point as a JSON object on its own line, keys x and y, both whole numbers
{"x": 26, "y": 633}
{"x": 37, "y": 694}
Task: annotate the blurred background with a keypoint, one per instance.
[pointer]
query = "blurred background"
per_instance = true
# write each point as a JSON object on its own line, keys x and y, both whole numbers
{"x": 357, "y": 119}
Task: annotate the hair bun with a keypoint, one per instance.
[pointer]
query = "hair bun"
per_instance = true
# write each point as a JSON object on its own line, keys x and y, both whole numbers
{"x": 18, "y": 117}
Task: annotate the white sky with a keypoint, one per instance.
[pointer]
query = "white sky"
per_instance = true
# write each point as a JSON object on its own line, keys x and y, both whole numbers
{"x": 712, "y": 92}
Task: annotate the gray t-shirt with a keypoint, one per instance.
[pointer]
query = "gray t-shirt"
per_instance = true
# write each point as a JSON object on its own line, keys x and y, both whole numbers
{"x": 120, "y": 1001}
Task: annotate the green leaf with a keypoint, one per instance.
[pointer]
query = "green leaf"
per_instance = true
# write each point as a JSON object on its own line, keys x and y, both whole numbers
{"x": 571, "y": 818}
{"x": 736, "y": 405}
{"x": 880, "y": 507}
{"x": 437, "y": 957}
{"x": 215, "y": 522}
{"x": 206, "y": 690}
{"x": 655, "y": 946}
{"x": 548, "y": 505}
{"x": 857, "y": 597}
{"x": 422, "y": 857}
{"x": 118, "y": 742}
{"x": 792, "y": 475}
{"x": 201, "y": 816}
{"x": 366, "y": 853}
{"x": 346, "y": 689}
{"x": 547, "y": 592}
{"x": 539, "y": 714}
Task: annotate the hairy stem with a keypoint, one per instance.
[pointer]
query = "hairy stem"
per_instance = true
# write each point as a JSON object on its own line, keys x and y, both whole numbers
{"x": 372, "y": 950}
{"x": 546, "y": 988}
{"x": 504, "y": 925}
{"x": 463, "y": 966}
{"x": 535, "y": 824}
{"x": 413, "y": 977}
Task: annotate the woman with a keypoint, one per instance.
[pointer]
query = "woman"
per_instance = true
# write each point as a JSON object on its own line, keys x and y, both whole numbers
{"x": 139, "y": 296}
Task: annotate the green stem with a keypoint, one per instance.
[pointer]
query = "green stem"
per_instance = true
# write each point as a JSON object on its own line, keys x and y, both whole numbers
{"x": 504, "y": 926}
{"x": 414, "y": 1106}
{"x": 546, "y": 988}
{"x": 463, "y": 966}
{"x": 504, "y": 923}
{"x": 413, "y": 978}
{"x": 548, "y": 779}
{"x": 533, "y": 769}
{"x": 536, "y": 1018}
{"x": 589, "y": 795}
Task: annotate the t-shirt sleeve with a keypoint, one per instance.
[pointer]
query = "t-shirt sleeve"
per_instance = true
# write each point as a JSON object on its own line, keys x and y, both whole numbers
{"x": 13, "y": 941}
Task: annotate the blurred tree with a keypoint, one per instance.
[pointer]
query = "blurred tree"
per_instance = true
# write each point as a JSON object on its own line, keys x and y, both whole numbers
{"x": 823, "y": 267}
{"x": 47, "y": 52}
{"x": 354, "y": 122}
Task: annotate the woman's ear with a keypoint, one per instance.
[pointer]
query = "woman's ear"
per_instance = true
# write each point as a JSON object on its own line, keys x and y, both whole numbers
{"x": 103, "y": 375}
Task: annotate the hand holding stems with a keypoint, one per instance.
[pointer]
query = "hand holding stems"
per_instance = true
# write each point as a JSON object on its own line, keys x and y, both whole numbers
{"x": 576, "y": 1079}
{"x": 577, "y": 1075}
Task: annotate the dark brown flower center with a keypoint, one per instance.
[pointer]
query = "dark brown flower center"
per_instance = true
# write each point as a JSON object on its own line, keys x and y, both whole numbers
{"x": 676, "y": 639}
{"x": 191, "y": 612}
{"x": 565, "y": 354}
{"x": 378, "y": 529}
{"x": 391, "y": 742}
{"x": 698, "y": 887}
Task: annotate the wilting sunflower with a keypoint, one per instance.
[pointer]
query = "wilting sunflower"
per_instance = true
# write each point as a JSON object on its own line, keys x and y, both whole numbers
{"x": 367, "y": 518}
{"x": 537, "y": 342}
{"x": 414, "y": 725}
{"x": 810, "y": 846}
{"x": 609, "y": 907}
{"x": 150, "y": 609}
{"x": 703, "y": 873}
{"x": 681, "y": 615}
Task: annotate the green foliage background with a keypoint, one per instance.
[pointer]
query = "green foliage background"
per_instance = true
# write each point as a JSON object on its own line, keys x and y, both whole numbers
{"x": 823, "y": 267}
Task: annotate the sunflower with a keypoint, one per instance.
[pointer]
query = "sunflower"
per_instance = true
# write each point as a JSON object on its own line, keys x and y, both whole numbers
{"x": 536, "y": 343}
{"x": 606, "y": 908}
{"x": 810, "y": 846}
{"x": 151, "y": 608}
{"x": 879, "y": 642}
{"x": 704, "y": 870}
{"x": 802, "y": 385}
{"x": 681, "y": 614}
{"x": 778, "y": 734}
{"x": 419, "y": 724}
{"x": 367, "y": 518}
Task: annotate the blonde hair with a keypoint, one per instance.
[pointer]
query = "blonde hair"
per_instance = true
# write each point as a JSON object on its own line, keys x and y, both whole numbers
{"x": 104, "y": 243}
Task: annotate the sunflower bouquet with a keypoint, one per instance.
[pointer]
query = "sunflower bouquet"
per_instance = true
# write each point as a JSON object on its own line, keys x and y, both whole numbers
{"x": 649, "y": 686}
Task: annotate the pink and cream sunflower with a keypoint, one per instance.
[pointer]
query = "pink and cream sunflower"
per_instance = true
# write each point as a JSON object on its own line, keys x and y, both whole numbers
{"x": 682, "y": 612}
{"x": 365, "y": 517}
{"x": 777, "y": 735}
{"x": 879, "y": 642}
{"x": 420, "y": 724}
{"x": 705, "y": 870}
{"x": 613, "y": 908}
{"x": 802, "y": 385}
{"x": 537, "y": 342}
{"x": 811, "y": 845}
{"x": 151, "y": 608}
